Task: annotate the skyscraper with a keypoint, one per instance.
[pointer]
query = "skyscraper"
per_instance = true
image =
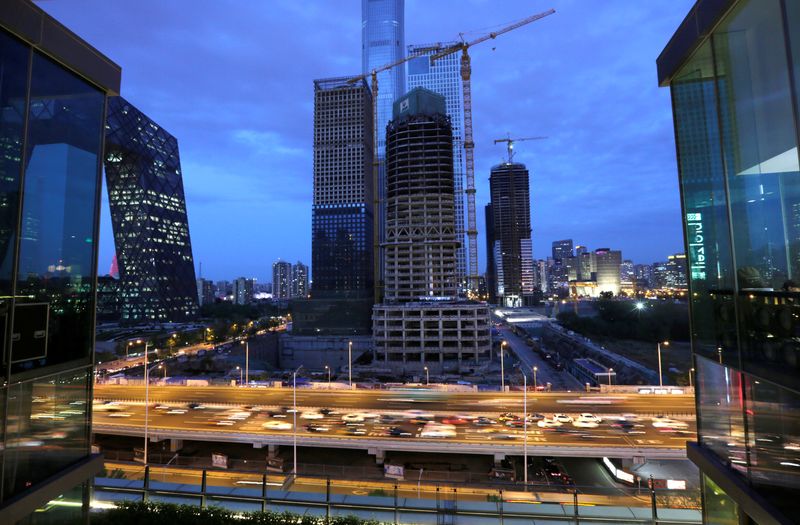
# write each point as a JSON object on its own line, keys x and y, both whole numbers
{"x": 243, "y": 289}
{"x": 299, "y": 280}
{"x": 491, "y": 271}
{"x": 563, "y": 249}
{"x": 443, "y": 77}
{"x": 732, "y": 67}
{"x": 205, "y": 291}
{"x": 511, "y": 210}
{"x": 148, "y": 215}
{"x": 607, "y": 264}
{"x": 53, "y": 91}
{"x": 281, "y": 280}
{"x": 421, "y": 244}
{"x": 383, "y": 42}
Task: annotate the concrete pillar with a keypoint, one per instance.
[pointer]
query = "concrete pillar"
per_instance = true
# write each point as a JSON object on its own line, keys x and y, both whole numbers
{"x": 498, "y": 458}
{"x": 272, "y": 451}
{"x": 175, "y": 445}
{"x": 379, "y": 454}
{"x": 258, "y": 444}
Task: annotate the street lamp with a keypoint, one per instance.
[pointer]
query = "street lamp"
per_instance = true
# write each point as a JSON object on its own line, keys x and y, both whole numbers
{"x": 610, "y": 371}
{"x": 239, "y": 368}
{"x": 691, "y": 371}
{"x": 165, "y": 371}
{"x": 525, "y": 428}
{"x": 146, "y": 400}
{"x": 427, "y": 377}
{"x": 535, "y": 369}
{"x": 502, "y": 367}
{"x": 660, "y": 377}
{"x": 350, "y": 362}
{"x": 246, "y": 360}
{"x": 328, "y": 369}
{"x": 294, "y": 406}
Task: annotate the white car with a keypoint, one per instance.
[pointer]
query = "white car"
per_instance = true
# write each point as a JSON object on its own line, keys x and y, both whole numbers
{"x": 311, "y": 415}
{"x": 585, "y": 423}
{"x": 665, "y": 422}
{"x": 120, "y": 414}
{"x": 548, "y": 423}
{"x": 239, "y": 416}
{"x": 562, "y": 418}
{"x": 353, "y": 418}
{"x": 176, "y": 411}
{"x": 438, "y": 430}
{"x": 590, "y": 417}
{"x": 277, "y": 425}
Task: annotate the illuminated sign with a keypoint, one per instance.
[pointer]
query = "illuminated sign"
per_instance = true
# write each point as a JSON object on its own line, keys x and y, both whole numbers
{"x": 695, "y": 234}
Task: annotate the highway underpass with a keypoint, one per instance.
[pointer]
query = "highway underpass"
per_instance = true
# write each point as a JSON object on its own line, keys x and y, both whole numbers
{"x": 215, "y": 422}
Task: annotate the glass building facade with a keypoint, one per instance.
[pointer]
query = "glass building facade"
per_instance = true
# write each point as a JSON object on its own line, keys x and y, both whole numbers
{"x": 52, "y": 109}
{"x": 734, "y": 74}
{"x": 148, "y": 215}
{"x": 383, "y": 42}
{"x": 444, "y": 77}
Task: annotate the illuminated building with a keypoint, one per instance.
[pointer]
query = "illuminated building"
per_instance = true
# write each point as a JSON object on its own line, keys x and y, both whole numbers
{"x": 607, "y": 263}
{"x": 243, "y": 290}
{"x": 148, "y": 216}
{"x": 53, "y": 91}
{"x": 281, "y": 280}
{"x": 299, "y": 280}
{"x": 205, "y": 291}
{"x": 421, "y": 320}
{"x": 444, "y": 77}
{"x": 513, "y": 255}
{"x": 732, "y": 68}
{"x": 563, "y": 249}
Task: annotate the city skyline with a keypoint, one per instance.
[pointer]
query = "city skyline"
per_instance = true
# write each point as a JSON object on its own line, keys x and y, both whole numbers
{"x": 623, "y": 146}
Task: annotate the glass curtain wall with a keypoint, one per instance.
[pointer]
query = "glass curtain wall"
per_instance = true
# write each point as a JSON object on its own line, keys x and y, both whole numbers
{"x": 735, "y": 105}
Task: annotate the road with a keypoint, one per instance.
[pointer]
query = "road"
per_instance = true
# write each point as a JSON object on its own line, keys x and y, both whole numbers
{"x": 559, "y": 380}
{"x": 218, "y": 420}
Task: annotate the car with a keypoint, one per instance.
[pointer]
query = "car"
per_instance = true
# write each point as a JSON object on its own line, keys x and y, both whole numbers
{"x": 585, "y": 423}
{"x": 398, "y": 432}
{"x": 311, "y": 415}
{"x": 665, "y": 422}
{"x": 532, "y": 418}
{"x": 197, "y": 406}
{"x": 453, "y": 420}
{"x": 548, "y": 423}
{"x": 278, "y": 415}
{"x": 411, "y": 414}
{"x": 277, "y": 425}
{"x": 317, "y": 428}
{"x": 506, "y": 416}
{"x": 326, "y": 411}
{"x": 120, "y": 414}
{"x": 176, "y": 411}
{"x": 502, "y": 436}
{"x": 515, "y": 423}
{"x": 437, "y": 430}
{"x": 388, "y": 419}
{"x": 239, "y": 416}
{"x": 225, "y": 423}
{"x": 161, "y": 407}
{"x": 590, "y": 417}
{"x": 562, "y": 418}
{"x": 483, "y": 421}
{"x": 354, "y": 417}
{"x": 356, "y": 431}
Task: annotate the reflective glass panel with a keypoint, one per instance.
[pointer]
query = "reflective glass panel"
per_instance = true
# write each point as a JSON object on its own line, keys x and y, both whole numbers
{"x": 47, "y": 428}
{"x": 718, "y": 507}
{"x": 57, "y": 239}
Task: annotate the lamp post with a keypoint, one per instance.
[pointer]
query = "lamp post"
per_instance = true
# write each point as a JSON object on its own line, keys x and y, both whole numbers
{"x": 246, "y": 361}
{"x": 350, "y": 362}
{"x": 427, "y": 377}
{"x": 535, "y": 369}
{"x": 660, "y": 377}
{"x": 239, "y": 368}
{"x": 610, "y": 371}
{"x": 328, "y": 369}
{"x": 691, "y": 371}
{"x": 502, "y": 367}
{"x": 165, "y": 371}
{"x": 525, "y": 427}
{"x": 294, "y": 407}
{"x": 146, "y": 400}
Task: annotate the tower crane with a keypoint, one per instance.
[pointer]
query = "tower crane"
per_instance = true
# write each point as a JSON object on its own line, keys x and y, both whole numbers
{"x": 469, "y": 145}
{"x": 510, "y": 142}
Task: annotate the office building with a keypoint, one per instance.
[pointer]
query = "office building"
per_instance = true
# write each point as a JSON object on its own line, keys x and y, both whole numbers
{"x": 444, "y": 77}
{"x": 608, "y": 263}
{"x": 148, "y": 216}
{"x": 643, "y": 274}
{"x": 511, "y": 209}
{"x": 243, "y": 289}
{"x": 206, "y": 291}
{"x": 421, "y": 320}
{"x": 299, "y": 280}
{"x": 53, "y": 91}
{"x": 676, "y": 271}
{"x": 732, "y": 68}
{"x": 281, "y": 280}
{"x": 382, "y": 42}
{"x": 563, "y": 249}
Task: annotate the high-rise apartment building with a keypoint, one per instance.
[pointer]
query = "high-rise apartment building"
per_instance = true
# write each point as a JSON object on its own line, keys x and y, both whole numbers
{"x": 511, "y": 210}
{"x": 299, "y": 280}
{"x": 205, "y": 291}
{"x": 421, "y": 320}
{"x": 243, "y": 289}
{"x": 608, "y": 263}
{"x": 53, "y": 92}
{"x": 148, "y": 216}
{"x": 733, "y": 69}
{"x": 281, "y": 280}
{"x": 444, "y": 77}
{"x": 383, "y": 42}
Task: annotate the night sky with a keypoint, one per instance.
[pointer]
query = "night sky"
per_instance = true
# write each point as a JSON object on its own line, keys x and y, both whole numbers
{"x": 232, "y": 80}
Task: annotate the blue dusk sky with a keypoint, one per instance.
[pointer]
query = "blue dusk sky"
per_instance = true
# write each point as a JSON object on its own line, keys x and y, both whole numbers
{"x": 232, "y": 80}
